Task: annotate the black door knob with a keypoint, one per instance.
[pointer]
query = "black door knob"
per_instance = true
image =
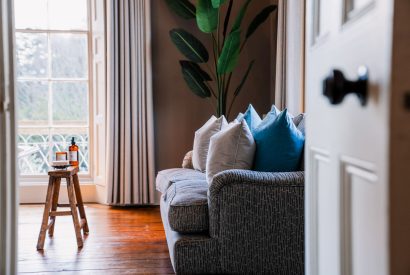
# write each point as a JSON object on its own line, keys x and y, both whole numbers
{"x": 336, "y": 86}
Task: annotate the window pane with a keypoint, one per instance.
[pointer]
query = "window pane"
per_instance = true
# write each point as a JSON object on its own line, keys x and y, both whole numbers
{"x": 61, "y": 139}
{"x": 31, "y": 54}
{"x": 33, "y": 151}
{"x": 68, "y": 14}
{"x": 32, "y": 102}
{"x": 70, "y": 103}
{"x": 30, "y": 14}
{"x": 69, "y": 55}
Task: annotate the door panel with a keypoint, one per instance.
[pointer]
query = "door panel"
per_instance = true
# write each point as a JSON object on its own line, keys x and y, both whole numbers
{"x": 346, "y": 205}
{"x": 8, "y": 193}
{"x": 317, "y": 159}
{"x": 328, "y": 230}
{"x": 364, "y": 229}
{"x": 355, "y": 8}
{"x": 360, "y": 223}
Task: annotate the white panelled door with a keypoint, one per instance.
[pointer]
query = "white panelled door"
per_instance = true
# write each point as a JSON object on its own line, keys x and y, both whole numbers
{"x": 347, "y": 141}
{"x": 8, "y": 192}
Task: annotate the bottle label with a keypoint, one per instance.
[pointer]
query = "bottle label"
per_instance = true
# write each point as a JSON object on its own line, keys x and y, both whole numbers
{"x": 73, "y": 156}
{"x": 60, "y": 156}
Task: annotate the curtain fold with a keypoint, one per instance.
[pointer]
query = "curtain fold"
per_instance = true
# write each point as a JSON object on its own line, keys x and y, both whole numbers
{"x": 290, "y": 58}
{"x": 281, "y": 56}
{"x": 130, "y": 157}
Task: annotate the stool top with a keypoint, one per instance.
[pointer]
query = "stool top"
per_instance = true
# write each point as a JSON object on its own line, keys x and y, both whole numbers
{"x": 64, "y": 173}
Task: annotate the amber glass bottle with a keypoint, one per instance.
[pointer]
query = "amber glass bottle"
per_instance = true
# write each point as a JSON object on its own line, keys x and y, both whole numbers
{"x": 73, "y": 153}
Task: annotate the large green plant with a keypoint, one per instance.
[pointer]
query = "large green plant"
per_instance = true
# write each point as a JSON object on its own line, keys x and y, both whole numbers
{"x": 213, "y": 79}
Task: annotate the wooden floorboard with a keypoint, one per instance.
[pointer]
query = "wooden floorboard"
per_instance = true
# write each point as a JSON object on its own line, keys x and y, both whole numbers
{"x": 121, "y": 241}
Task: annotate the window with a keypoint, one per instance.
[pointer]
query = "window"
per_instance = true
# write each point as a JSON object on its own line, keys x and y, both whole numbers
{"x": 53, "y": 81}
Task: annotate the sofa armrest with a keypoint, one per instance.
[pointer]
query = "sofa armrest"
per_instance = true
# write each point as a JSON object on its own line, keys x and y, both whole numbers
{"x": 229, "y": 185}
{"x": 258, "y": 213}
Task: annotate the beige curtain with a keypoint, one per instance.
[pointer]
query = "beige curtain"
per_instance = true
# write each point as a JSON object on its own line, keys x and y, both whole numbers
{"x": 289, "y": 89}
{"x": 280, "y": 87}
{"x": 130, "y": 163}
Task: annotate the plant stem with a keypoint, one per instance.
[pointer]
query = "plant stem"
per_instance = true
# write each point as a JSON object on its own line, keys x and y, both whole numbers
{"x": 230, "y": 106}
{"x": 210, "y": 88}
{"x": 223, "y": 83}
{"x": 216, "y": 56}
{"x": 210, "y": 70}
{"x": 229, "y": 82}
{"x": 217, "y": 33}
{"x": 226, "y": 93}
{"x": 221, "y": 77}
{"x": 215, "y": 44}
{"x": 243, "y": 45}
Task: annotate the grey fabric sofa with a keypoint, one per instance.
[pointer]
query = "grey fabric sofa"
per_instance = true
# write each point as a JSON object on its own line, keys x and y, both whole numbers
{"x": 244, "y": 222}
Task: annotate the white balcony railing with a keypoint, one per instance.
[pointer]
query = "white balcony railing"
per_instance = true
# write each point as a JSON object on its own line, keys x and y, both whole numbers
{"x": 37, "y": 150}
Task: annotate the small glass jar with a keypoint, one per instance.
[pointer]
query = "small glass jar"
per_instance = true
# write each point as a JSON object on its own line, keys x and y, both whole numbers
{"x": 61, "y": 156}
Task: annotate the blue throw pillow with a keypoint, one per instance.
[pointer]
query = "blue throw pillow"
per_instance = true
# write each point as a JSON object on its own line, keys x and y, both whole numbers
{"x": 274, "y": 110}
{"x": 269, "y": 118}
{"x": 279, "y": 145}
{"x": 251, "y": 117}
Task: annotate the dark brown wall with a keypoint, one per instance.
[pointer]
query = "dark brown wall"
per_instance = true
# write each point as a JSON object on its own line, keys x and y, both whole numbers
{"x": 178, "y": 112}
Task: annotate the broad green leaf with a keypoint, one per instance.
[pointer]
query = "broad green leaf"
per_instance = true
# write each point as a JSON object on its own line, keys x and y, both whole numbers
{"x": 217, "y": 3}
{"x": 189, "y": 46}
{"x": 240, "y": 86}
{"x": 227, "y": 16}
{"x": 182, "y": 8}
{"x": 196, "y": 69}
{"x": 206, "y": 16}
{"x": 259, "y": 19}
{"x": 195, "y": 80}
{"x": 230, "y": 53}
{"x": 239, "y": 18}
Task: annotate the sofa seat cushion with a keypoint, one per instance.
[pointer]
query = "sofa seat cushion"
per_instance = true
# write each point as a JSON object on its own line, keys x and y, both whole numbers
{"x": 166, "y": 178}
{"x": 188, "y": 206}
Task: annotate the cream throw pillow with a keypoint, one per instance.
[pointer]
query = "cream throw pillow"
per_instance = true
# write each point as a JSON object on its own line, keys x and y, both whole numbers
{"x": 187, "y": 161}
{"x": 201, "y": 141}
{"x": 231, "y": 148}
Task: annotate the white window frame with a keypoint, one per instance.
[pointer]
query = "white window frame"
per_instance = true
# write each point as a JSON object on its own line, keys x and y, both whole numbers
{"x": 88, "y": 177}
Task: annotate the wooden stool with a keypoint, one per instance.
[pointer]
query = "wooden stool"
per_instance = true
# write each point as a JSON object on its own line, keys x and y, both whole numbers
{"x": 50, "y": 208}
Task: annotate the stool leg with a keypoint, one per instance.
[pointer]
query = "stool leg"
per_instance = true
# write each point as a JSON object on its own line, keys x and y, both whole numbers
{"x": 74, "y": 213}
{"x": 80, "y": 203}
{"x": 47, "y": 206}
{"x": 56, "y": 192}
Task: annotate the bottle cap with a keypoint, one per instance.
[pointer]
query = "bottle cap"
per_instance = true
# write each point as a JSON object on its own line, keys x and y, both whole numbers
{"x": 72, "y": 141}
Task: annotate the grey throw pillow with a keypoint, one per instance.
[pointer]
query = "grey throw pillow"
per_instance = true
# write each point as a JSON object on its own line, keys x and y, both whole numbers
{"x": 231, "y": 148}
{"x": 201, "y": 141}
{"x": 298, "y": 119}
{"x": 301, "y": 124}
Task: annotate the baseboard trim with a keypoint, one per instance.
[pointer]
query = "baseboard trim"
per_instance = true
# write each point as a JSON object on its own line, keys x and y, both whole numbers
{"x": 37, "y": 193}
